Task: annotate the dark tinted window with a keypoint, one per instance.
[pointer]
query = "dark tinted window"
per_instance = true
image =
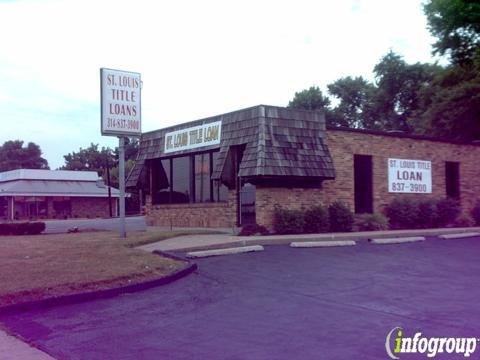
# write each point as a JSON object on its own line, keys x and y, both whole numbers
{"x": 363, "y": 183}
{"x": 202, "y": 178}
{"x": 186, "y": 179}
{"x": 181, "y": 180}
{"x": 452, "y": 179}
{"x": 220, "y": 191}
{"x": 162, "y": 195}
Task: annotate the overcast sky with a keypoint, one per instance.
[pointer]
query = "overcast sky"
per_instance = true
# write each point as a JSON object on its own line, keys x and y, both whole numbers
{"x": 197, "y": 58}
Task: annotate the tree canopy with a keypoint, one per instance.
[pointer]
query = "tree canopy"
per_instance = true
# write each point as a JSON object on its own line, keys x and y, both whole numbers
{"x": 456, "y": 25}
{"x": 396, "y": 95}
{"x": 387, "y": 104}
{"x": 97, "y": 159}
{"x": 89, "y": 159}
{"x": 309, "y": 99}
{"x": 415, "y": 98}
{"x": 13, "y": 155}
{"x": 355, "y": 107}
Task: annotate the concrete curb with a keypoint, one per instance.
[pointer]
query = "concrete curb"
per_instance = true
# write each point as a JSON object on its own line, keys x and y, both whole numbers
{"x": 16, "y": 346}
{"x": 99, "y": 294}
{"x": 311, "y": 244}
{"x": 238, "y": 241}
{"x": 227, "y": 251}
{"x": 459, "y": 236}
{"x": 396, "y": 240}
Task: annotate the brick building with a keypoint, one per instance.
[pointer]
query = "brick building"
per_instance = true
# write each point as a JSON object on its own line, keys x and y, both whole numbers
{"x": 54, "y": 194}
{"x": 235, "y": 168}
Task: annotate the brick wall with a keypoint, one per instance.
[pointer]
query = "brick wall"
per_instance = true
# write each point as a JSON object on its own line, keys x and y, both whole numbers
{"x": 344, "y": 144}
{"x": 266, "y": 198}
{"x": 92, "y": 207}
{"x": 221, "y": 214}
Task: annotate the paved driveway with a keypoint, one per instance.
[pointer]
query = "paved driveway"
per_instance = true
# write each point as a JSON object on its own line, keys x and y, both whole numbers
{"x": 133, "y": 223}
{"x": 283, "y": 303}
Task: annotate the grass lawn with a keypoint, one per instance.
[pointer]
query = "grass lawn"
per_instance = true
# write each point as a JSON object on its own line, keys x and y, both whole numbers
{"x": 41, "y": 266}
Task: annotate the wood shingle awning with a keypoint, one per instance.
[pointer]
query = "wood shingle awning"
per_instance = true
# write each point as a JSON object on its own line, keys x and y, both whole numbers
{"x": 278, "y": 142}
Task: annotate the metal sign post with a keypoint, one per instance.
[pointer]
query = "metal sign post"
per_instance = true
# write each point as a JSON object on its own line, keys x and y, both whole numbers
{"x": 121, "y": 183}
{"x": 120, "y": 116}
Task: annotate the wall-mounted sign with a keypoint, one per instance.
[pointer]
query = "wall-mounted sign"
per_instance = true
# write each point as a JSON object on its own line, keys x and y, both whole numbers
{"x": 121, "y": 106}
{"x": 193, "y": 137}
{"x": 409, "y": 176}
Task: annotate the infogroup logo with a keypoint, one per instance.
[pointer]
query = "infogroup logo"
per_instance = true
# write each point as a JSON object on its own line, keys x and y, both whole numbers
{"x": 400, "y": 344}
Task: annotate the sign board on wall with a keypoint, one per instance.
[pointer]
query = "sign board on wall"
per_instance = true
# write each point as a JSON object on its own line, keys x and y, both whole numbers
{"x": 193, "y": 137}
{"x": 120, "y": 105}
{"x": 409, "y": 176}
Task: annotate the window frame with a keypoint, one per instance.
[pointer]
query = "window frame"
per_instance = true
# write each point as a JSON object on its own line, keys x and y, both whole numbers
{"x": 192, "y": 185}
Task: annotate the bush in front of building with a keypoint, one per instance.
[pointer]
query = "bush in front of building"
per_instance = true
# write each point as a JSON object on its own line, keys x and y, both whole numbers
{"x": 288, "y": 221}
{"x": 476, "y": 214}
{"x": 447, "y": 212}
{"x": 252, "y": 230}
{"x": 25, "y": 228}
{"x": 371, "y": 222}
{"x": 405, "y": 213}
{"x": 426, "y": 215}
{"x": 316, "y": 220}
{"x": 402, "y": 213}
{"x": 463, "y": 221}
{"x": 341, "y": 217}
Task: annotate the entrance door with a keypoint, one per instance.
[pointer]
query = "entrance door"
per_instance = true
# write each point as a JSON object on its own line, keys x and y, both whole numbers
{"x": 247, "y": 204}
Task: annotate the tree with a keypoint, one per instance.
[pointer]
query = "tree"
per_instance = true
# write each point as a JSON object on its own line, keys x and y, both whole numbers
{"x": 13, "y": 155}
{"x": 396, "y": 97}
{"x": 456, "y": 25}
{"x": 311, "y": 99}
{"x": 95, "y": 159}
{"x": 90, "y": 159}
{"x": 355, "y": 107}
{"x": 451, "y": 105}
{"x": 131, "y": 149}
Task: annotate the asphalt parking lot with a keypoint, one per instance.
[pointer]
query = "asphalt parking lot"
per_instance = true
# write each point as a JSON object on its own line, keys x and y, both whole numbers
{"x": 283, "y": 303}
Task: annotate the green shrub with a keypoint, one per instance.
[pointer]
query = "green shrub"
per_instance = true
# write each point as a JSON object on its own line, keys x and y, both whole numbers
{"x": 371, "y": 222}
{"x": 253, "y": 229}
{"x": 447, "y": 212}
{"x": 340, "y": 217}
{"x": 426, "y": 214}
{"x": 316, "y": 220}
{"x": 35, "y": 228}
{"x": 476, "y": 214}
{"x": 288, "y": 221}
{"x": 26, "y": 228}
{"x": 4, "y": 229}
{"x": 402, "y": 213}
{"x": 463, "y": 221}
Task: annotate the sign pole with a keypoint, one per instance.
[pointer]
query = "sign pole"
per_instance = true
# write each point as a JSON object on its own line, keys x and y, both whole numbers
{"x": 121, "y": 182}
{"x": 120, "y": 115}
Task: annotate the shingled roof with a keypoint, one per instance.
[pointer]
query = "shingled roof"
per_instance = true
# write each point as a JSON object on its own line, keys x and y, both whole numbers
{"x": 279, "y": 142}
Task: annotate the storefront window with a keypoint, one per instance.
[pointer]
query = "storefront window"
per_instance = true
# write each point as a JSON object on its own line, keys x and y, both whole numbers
{"x": 62, "y": 207}
{"x": 3, "y": 207}
{"x": 162, "y": 195}
{"x": 202, "y": 178}
{"x": 220, "y": 191}
{"x": 181, "y": 180}
{"x": 187, "y": 179}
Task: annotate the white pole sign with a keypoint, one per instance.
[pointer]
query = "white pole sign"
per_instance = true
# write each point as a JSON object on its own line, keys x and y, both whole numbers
{"x": 409, "y": 176}
{"x": 121, "y": 112}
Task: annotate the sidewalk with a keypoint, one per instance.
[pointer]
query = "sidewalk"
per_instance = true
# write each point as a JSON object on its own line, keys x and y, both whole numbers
{"x": 12, "y": 348}
{"x": 219, "y": 241}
